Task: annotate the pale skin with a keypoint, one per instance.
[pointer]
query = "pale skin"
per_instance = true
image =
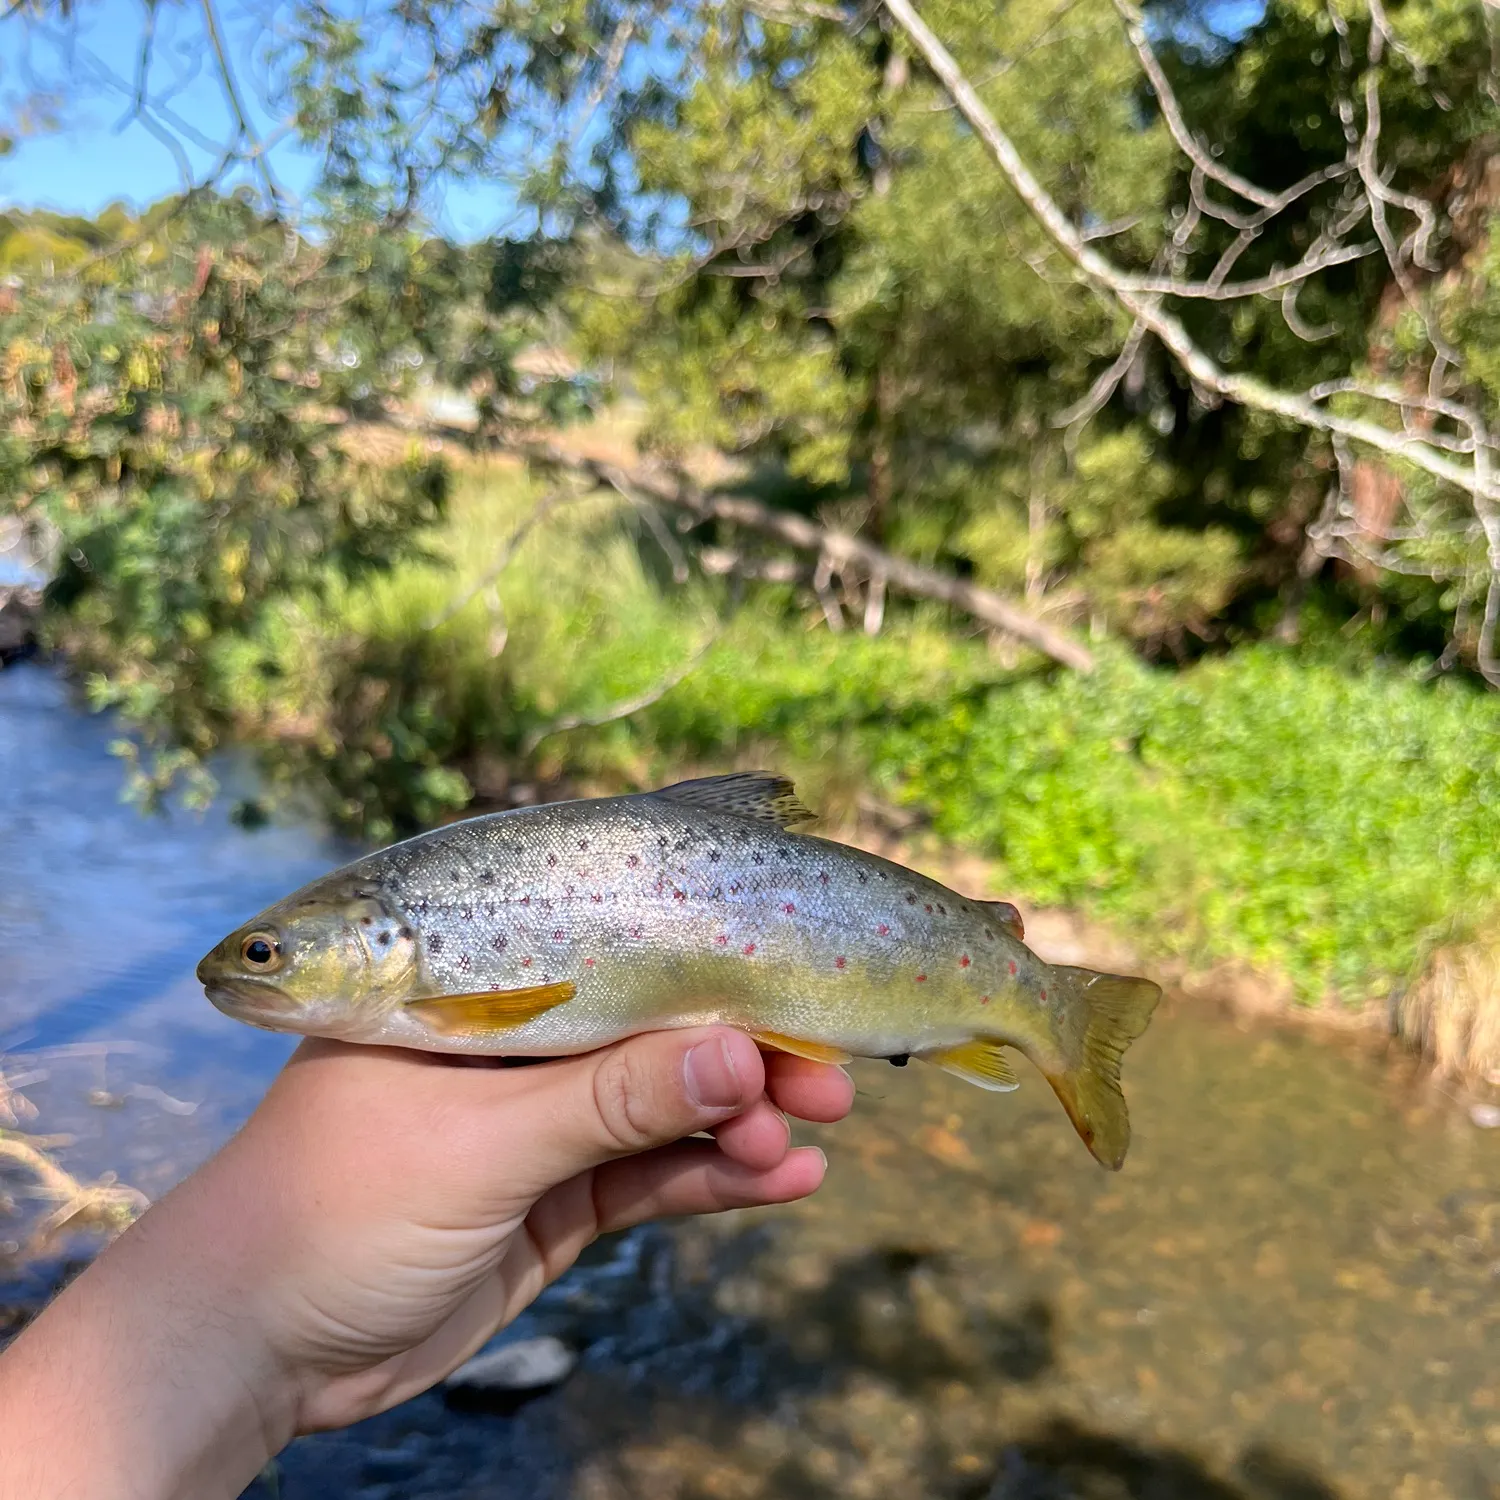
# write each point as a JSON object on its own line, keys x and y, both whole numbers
{"x": 379, "y": 1217}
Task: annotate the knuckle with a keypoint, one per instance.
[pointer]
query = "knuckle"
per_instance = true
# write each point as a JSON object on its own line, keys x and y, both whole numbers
{"x": 626, "y": 1097}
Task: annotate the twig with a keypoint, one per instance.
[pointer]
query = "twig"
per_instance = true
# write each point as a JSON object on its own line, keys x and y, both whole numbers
{"x": 628, "y": 707}
{"x": 246, "y": 131}
{"x": 508, "y": 549}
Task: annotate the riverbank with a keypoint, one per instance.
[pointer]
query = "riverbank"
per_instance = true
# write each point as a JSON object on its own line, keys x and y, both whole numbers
{"x": 1312, "y": 818}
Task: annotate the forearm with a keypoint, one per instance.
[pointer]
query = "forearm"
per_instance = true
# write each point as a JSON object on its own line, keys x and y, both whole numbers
{"x": 147, "y": 1378}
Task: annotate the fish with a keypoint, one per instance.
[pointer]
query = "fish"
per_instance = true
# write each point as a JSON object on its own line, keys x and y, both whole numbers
{"x": 552, "y": 930}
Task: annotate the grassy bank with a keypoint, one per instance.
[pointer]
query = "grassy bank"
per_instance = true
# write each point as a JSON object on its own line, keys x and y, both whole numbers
{"x": 1324, "y": 824}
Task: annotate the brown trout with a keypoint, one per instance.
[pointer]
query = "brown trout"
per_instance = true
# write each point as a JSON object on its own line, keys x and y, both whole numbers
{"x": 557, "y": 929}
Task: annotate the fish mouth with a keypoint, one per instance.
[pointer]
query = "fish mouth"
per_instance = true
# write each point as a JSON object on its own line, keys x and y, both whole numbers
{"x": 246, "y": 1000}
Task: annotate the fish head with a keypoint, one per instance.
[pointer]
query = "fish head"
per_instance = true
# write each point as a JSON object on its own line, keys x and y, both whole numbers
{"x": 331, "y": 960}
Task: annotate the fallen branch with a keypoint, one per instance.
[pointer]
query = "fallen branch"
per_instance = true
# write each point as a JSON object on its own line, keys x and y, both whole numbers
{"x": 839, "y": 548}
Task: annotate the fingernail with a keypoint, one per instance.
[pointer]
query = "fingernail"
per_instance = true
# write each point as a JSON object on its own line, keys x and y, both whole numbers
{"x": 711, "y": 1077}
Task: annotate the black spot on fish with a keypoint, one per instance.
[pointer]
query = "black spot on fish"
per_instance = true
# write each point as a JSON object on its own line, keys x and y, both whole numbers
{"x": 383, "y": 938}
{"x": 942, "y": 910}
{"x": 405, "y": 934}
{"x": 366, "y": 921}
{"x": 551, "y": 861}
{"x": 435, "y": 943}
{"x": 713, "y": 854}
{"x": 486, "y": 877}
{"x": 467, "y": 914}
{"x": 464, "y": 963}
{"x": 900, "y": 1059}
{"x": 457, "y": 875}
{"x": 911, "y": 900}
{"x": 758, "y": 857}
{"x": 633, "y": 860}
{"x": 583, "y": 843}
{"x": 499, "y": 942}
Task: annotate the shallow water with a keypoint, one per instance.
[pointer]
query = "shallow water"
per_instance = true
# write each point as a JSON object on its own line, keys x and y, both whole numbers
{"x": 1292, "y": 1291}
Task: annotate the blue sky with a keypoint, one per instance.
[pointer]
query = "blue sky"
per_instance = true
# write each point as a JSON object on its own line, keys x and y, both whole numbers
{"x": 99, "y": 155}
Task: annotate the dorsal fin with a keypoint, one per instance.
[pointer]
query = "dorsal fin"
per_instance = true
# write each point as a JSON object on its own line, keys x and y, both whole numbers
{"x": 1007, "y": 916}
{"x": 745, "y": 794}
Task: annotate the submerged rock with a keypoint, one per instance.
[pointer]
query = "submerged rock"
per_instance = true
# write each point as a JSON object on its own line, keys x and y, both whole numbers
{"x": 525, "y": 1365}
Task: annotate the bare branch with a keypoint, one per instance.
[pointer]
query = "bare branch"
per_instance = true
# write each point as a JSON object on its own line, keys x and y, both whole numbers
{"x": 1233, "y": 291}
{"x": 1245, "y": 390}
{"x": 1081, "y": 412}
{"x": 1187, "y": 142}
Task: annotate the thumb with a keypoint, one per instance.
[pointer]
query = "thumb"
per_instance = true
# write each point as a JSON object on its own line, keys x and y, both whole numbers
{"x": 565, "y": 1117}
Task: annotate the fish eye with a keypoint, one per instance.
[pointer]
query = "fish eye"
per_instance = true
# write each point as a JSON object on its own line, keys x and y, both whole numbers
{"x": 261, "y": 950}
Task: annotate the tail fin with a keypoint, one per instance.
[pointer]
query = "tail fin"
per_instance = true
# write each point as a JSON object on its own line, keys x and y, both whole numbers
{"x": 1116, "y": 1011}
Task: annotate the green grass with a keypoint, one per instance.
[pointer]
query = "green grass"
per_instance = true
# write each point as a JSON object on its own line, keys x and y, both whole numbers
{"x": 1315, "y": 820}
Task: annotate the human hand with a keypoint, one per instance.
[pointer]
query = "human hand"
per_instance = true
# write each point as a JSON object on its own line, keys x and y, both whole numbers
{"x": 380, "y": 1216}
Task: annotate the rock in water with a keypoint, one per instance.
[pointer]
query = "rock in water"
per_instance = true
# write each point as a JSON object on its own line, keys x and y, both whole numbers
{"x": 525, "y": 1365}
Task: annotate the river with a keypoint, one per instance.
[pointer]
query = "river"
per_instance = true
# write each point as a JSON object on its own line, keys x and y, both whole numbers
{"x": 1292, "y": 1292}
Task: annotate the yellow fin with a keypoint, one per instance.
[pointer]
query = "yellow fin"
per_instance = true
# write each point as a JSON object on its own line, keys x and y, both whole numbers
{"x": 980, "y": 1061}
{"x": 813, "y": 1051}
{"x": 1114, "y": 1012}
{"x": 1007, "y": 916}
{"x": 491, "y": 1010}
{"x": 747, "y": 794}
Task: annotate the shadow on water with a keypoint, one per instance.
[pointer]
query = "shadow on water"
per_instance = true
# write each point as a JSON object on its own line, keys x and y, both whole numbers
{"x": 819, "y": 1393}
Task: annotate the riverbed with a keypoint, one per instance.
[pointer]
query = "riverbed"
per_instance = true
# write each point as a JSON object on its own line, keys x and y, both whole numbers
{"x": 1292, "y": 1292}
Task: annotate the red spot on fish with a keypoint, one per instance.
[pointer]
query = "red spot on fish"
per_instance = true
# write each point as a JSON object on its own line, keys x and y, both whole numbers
{"x": 632, "y": 860}
{"x": 963, "y": 963}
{"x": 588, "y": 963}
{"x": 883, "y": 930}
{"x": 748, "y": 949}
{"x": 984, "y": 999}
{"x": 525, "y": 963}
{"x": 597, "y": 896}
{"x": 679, "y": 895}
{"x": 840, "y": 961}
{"x": 722, "y": 939}
{"x": 525, "y": 900}
{"x": 921, "y": 979}
{"x": 789, "y": 908}
{"x": 927, "y": 906}
{"x": 1012, "y": 966}
{"x": 734, "y": 890}
{"x": 1044, "y": 994}
{"x": 635, "y": 932}
{"x": 823, "y": 876}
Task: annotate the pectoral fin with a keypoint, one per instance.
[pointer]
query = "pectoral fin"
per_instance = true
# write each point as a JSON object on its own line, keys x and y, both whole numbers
{"x": 813, "y": 1051}
{"x": 490, "y": 1010}
{"x": 980, "y": 1061}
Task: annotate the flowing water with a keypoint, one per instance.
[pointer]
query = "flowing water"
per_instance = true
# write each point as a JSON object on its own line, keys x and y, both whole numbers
{"x": 1292, "y": 1292}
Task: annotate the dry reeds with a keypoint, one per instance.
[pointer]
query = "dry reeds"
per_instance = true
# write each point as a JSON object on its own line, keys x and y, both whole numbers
{"x": 105, "y": 1206}
{"x": 1451, "y": 1013}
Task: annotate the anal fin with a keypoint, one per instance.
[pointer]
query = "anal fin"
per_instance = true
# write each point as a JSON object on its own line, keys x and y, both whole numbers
{"x": 979, "y": 1062}
{"x": 490, "y": 1010}
{"x": 800, "y": 1047}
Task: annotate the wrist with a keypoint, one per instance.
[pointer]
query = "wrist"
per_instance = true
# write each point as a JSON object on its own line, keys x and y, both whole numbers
{"x": 147, "y": 1378}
